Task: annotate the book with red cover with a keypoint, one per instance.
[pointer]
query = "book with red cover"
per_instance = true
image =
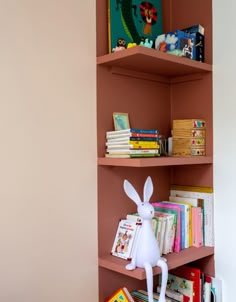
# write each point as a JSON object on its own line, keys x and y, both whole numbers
{"x": 193, "y": 274}
{"x": 121, "y": 295}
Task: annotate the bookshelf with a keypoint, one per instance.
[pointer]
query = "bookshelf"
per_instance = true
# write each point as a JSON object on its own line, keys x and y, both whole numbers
{"x": 154, "y": 88}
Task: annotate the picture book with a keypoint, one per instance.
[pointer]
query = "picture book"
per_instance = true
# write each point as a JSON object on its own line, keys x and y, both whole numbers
{"x": 121, "y": 295}
{"x": 173, "y": 209}
{"x": 172, "y": 294}
{"x": 193, "y": 274}
{"x": 197, "y": 232}
{"x": 181, "y": 285}
{"x": 142, "y": 295}
{"x": 161, "y": 232}
{"x": 188, "y": 210}
{"x": 125, "y": 239}
{"x": 207, "y": 195}
{"x": 184, "y": 221}
{"x": 133, "y": 21}
{"x": 169, "y": 232}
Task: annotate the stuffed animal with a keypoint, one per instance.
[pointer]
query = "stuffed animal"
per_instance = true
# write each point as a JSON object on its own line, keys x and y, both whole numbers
{"x": 146, "y": 250}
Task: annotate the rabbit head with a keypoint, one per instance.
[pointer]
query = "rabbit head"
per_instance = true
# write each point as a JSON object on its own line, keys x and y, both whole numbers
{"x": 145, "y": 209}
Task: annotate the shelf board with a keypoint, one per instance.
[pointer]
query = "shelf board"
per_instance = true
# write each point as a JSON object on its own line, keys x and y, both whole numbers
{"x": 155, "y": 161}
{"x": 173, "y": 260}
{"x": 148, "y": 60}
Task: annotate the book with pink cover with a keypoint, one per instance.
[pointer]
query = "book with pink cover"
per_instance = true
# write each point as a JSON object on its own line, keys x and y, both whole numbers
{"x": 173, "y": 209}
{"x": 197, "y": 226}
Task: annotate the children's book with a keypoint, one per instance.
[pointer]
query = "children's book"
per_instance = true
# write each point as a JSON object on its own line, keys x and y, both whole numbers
{"x": 169, "y": 232}
{"x": 121, "y": 295}
{"x": 173, "y": 209}
{"x": 173, "y": 295}
{"x": 207, "y": 196}
{"x": 124, "y": 242}
{"x": 181, "y": 285}
{"x": 193, "y": 274}
{"x": 133, "y": 21}
{"x": 161, "y": 232}
{"x": 188, "y": 212}
{"x": 142, "y": 295}
{"x": 184, "y": 222}
{"x": 197, "y": 232}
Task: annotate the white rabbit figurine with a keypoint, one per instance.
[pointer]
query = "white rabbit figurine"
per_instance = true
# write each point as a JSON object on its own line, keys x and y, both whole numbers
{"x": 146, "y": 251}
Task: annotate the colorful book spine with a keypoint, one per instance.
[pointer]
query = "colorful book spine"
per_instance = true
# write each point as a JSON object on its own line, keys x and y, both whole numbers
{"x": 197, "y": 226}
{"x": 184, "y": 220}
{"x": 173, "y": 209}
{"x": 205, "y": 194}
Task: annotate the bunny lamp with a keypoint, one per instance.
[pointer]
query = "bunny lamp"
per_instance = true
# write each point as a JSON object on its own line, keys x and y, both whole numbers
{"x": 146, "y": 251}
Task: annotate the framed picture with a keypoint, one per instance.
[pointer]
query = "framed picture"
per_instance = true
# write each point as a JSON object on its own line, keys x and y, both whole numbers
{"x": 121, "y": 121}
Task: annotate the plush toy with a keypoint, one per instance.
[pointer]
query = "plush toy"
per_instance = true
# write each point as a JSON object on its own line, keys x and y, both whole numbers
{"x": 147, "y": 253}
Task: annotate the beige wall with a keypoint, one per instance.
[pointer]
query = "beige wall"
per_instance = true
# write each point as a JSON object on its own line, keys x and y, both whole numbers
{"x": 47, "y": 151}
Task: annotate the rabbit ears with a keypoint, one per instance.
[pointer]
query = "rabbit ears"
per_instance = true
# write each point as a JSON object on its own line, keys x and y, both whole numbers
{"x": 132, "y": 193}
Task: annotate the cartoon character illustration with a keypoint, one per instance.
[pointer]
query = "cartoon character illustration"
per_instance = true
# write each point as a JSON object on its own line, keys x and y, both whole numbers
{"x": 126, "y": 8}
{"x": 148, "y": 13}
{"x": 188, "y": 49}
{"x": 123, "y": 242}
{"x": 121, "y": 45}
{"x": 146, "y": 43}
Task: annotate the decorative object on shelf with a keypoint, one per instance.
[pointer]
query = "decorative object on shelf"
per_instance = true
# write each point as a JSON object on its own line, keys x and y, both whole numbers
{"x": 146, "y": 250}
{"x": 146, "y": 43}
{"x": 121, "y": 121}
{"x": 189, "y": 137}
{"x": 133, "y": 20}
{"x": 178, "y": 43}
{"x": 130, "y": 45}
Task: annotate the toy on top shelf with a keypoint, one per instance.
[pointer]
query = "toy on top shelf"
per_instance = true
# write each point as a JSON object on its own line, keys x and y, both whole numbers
{"x": 146, "y": 250}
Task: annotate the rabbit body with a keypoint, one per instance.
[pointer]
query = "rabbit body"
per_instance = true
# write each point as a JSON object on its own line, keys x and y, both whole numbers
{"x": 146, "y": 250}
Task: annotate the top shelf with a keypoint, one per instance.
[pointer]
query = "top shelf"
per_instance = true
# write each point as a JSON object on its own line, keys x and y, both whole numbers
{"x": 148, "y": 60}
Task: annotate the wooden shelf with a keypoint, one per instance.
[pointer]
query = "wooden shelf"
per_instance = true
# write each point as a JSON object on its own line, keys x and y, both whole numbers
{"x": 148, "y": 60}
{"x": 173, "y": 260}
{"x": 154, "y": 162}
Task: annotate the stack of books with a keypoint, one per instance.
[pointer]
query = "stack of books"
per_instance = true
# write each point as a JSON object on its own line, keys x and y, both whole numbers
{"x": 189, "y": 137}
{"x": 132, "y": 142}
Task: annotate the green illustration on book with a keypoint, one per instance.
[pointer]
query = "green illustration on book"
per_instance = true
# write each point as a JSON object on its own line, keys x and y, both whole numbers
{"x": 133, "y": 21}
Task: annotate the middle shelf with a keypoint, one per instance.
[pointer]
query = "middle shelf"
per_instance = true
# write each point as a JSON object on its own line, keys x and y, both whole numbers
{"x": 154, "y": 162}
{"x": 173, "y": 260}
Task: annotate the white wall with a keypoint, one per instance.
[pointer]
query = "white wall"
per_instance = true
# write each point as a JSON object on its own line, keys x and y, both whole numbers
{"x": 224, "y": 22}
{"x": 48, "y": 211}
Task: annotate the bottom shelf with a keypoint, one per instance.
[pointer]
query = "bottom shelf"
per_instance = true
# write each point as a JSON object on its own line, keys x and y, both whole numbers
{"x": 173, "y": 260}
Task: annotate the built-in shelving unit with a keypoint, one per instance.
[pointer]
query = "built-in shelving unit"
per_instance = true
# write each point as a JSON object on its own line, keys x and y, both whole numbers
{"x": 154, "y": 88}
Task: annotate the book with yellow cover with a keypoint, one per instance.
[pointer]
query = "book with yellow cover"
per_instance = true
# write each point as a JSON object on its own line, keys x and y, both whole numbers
{"x": 121, "y": 295}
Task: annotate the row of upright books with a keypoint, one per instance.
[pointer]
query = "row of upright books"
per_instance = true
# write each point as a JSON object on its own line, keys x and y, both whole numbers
{"x": 129, "y": 143}
{"x": 184, "y": 284}
{"x": 185, "y": 220}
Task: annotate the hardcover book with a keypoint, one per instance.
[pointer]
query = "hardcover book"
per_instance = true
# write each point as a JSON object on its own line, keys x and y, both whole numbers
{"x": 133, "y": 21}
{"x": 121, "y": 295}
{"x": 192, "y": 274}
{"x": 173, "y": 209}
{"x": 125, "y": 239}
{"x": 181, "y": 285}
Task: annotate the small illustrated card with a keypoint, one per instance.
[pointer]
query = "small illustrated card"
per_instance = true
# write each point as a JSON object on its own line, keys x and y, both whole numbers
{"x": 124, "y": 240}
{"x": 133, "y": 22}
